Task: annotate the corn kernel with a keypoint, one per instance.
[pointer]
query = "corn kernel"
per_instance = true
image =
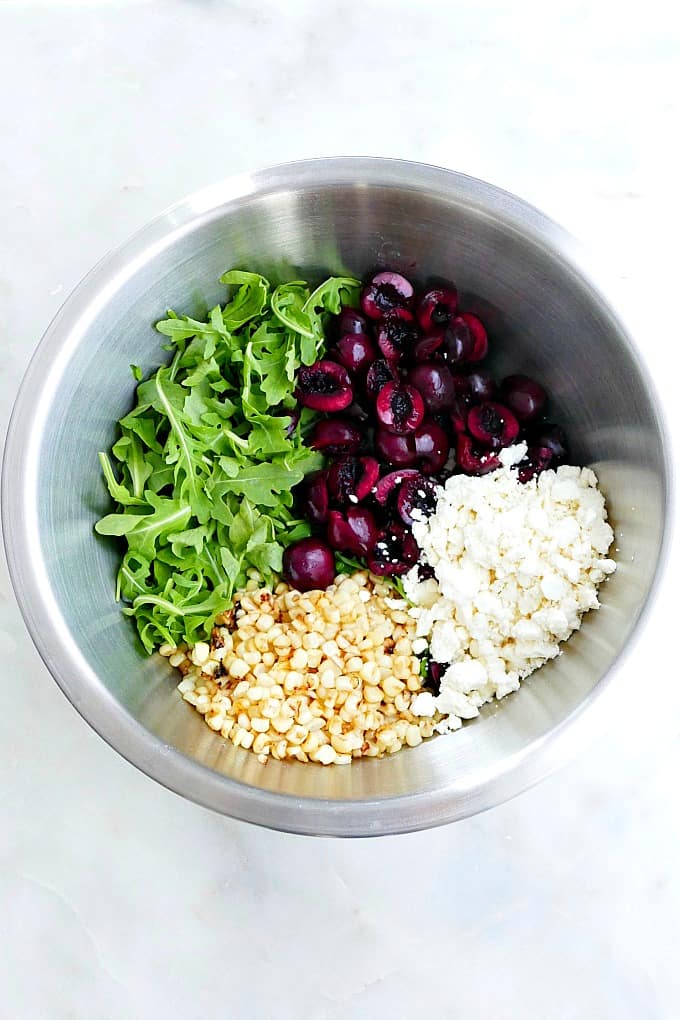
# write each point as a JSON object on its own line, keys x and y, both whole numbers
{"x": 238, "y": 669}
{"x": 299, "y": 659}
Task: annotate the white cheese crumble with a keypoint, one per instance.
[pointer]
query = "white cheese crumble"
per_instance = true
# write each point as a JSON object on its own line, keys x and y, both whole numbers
{"x": 516, "y": 565}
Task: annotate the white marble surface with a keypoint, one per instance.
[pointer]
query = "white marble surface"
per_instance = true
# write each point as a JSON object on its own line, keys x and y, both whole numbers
{"x": 117, "y": 898}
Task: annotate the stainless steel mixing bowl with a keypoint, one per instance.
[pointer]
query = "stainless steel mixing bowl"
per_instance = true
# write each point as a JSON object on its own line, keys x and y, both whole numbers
{"x": 545, "y": 316}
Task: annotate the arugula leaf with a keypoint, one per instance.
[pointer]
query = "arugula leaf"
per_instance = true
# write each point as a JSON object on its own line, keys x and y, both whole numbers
{"x": 182, "y": 327}
{"x": 117, "y": 491}
{"x": 249, "y": 301}
{"x": 288, "y": 305}
{"x": 204, "y": 466}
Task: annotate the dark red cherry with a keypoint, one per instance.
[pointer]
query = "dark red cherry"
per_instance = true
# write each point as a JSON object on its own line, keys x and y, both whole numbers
{"x": 457, "y": 342}
{"x": 390, "y": 483}
{"x": 397, "y": 450}
{"x": 492, "y": 425}
{"x": 416, "y": 499}
{"x": 314, "y": 497}
{"x": 435, "y": 382}
{"x": 335, "y": 436}
{"x": 432, "y": 447}
{"x": 552, "y": 437}
{"x": 379, "y": 374}
{"x": 350, "y": 321}
{"x": 355, "y": 352}
{"x": 351, "y": 479}
{"x": 480, "y": 340}
{"x": 428, "y": 346}
{"x": 538, "y": 458}
{"x": 396, "y": 338}
{"x": 394, "y": 553}
{"x": 308, "y": 564}
{"x": 384, "y": 293}
{"x": 355, "y": 531}
{"x": 437, "y": 307}
{"x": 481, "y": 386}
{"x": 324, "y": 386}
{"x": 473, "y": 461}
{"x": 400, "y": 408}
{"x": 524, "y": 396}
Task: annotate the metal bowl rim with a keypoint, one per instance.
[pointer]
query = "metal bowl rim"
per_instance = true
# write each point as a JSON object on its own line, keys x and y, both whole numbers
{"x": 74, "y": 675}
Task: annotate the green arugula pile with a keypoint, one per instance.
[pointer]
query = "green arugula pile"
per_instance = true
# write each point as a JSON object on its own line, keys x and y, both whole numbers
{"x": 205, "y": 467}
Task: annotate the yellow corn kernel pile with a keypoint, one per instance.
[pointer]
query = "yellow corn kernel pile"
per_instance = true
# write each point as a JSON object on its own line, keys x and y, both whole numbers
{"x": 322, "y": 676}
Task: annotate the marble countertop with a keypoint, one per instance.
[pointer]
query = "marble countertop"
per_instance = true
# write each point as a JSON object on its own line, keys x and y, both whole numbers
{"x": 119, "y": 899}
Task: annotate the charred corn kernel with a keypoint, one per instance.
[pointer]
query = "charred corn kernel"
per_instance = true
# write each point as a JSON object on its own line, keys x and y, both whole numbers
{"x": 321, "y": 676}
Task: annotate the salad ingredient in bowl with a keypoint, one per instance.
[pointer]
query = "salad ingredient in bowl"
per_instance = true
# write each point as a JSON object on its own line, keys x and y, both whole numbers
{"x": 208, "y": 457}
{"x": 343, "y": 532}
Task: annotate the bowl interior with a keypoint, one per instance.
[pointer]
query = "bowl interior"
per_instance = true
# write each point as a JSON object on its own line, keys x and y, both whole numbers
{"x": 544, "y": 319}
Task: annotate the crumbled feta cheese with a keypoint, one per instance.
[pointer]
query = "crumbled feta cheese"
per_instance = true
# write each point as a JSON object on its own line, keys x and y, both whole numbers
{"x": 516, "y": 565}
